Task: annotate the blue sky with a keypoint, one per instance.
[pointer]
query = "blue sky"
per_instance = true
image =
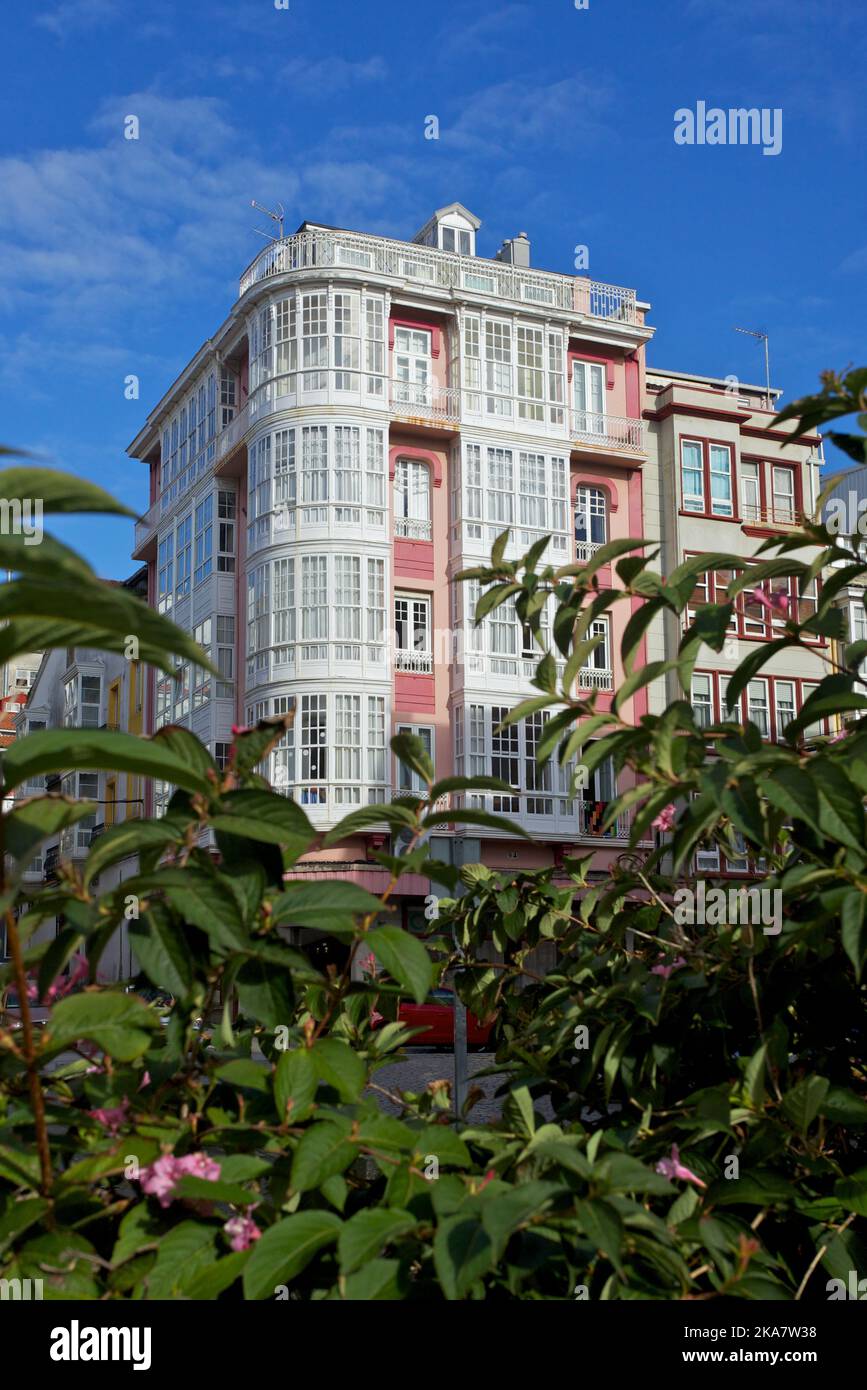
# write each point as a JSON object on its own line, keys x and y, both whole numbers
{"x": 120, "y": 256}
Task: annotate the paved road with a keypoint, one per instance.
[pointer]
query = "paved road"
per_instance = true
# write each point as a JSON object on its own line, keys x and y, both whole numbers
{"x": 426, "y": 1064}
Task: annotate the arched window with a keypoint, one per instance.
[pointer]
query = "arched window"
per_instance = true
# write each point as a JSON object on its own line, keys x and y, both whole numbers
{"x": 591, "y": 520}
{"x": 412, "y": 508}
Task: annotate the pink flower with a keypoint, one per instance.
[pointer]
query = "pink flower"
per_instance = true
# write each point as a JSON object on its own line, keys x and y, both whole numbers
{"x": 837, "y": 738}
{"x": 665, "y": 970}
{"x": 163, "y": 1175}
{"x": 111, "y": 1119}
{"x": 375, "y": 1017}
{"x": 673, "y": 1168}
{"x": 145, "y": 1081}
{"x": 239, "y": 729}
{"x": 369, "y": 963}
{"x": 774, "y": 602}
{"x": 665, "y": 819}
{"x": 243, "y": 1231}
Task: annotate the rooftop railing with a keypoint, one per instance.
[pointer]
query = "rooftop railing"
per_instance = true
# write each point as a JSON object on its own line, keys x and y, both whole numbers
{"x": 424, "y": 265}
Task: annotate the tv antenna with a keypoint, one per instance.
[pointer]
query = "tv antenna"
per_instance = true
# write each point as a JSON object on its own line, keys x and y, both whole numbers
{"x": 276, "y": 216}
{"x": 761, "y": 337}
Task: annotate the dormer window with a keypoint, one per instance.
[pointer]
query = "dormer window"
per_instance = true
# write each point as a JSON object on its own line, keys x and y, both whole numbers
{"x": 454, "y": 239}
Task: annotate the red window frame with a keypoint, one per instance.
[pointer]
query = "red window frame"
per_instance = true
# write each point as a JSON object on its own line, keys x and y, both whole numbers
{"x": 706, "y": 441}
{"x": 721, "y": 714}
{"x": 751, "y": 621}
{"x": 766, "y": 489}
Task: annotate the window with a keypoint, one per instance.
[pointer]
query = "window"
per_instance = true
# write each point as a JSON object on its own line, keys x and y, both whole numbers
{"x": 23, "y": 679}
{"x": 751, "y": 491}
{"x": 758, "y": 703}
{"x": 412, "y": 634}
{"x": 165, "y": 571}
{"x": 455, "y": 239}
{"x": 347, "y": 472}
{"x": 347, "y": 737}
{"x": 226, "y": 514}
{"x": 347, "y": 606}
{"x": 222, "y": 755}
{"x": 498, "y": 367}
{"x": 225, "y": 656}
{"x": 532, "y": 506}
{"x": 784, "y": 699}
{"x": 701, "y": 697}
{"x": 204, "y": 538}
{"x": 376, "y": 738}
{"x": 706, "y": 473}
{"x": 412, "y": 365}
{"x": 347, "y": 341}
{"x": 501, "y": 487}
{"x": 314, "y": 464}
{"x": 284, "y": 609}
{"x": 692, "y": 476}
{"x": 591, "y": 520}
{"x": 407, "y": 779}
{"x": 857, "y": 622}
{"x": 314, "y": 599}
{"x": 314, "y": 752}
{"x": 536, "y": 778}
{"x": 82, "y": 702}
{"x": 531, "y": 373}
{"x": 184, "y": 552}
{"x": 412, "y": 501}
{"x": 505, "y": 756}
{"x": 597, "y": 673}
{"x": 783, "y": 493}
{"x": 314, "y": 340}
{"x": 588, "y": 394}
{"x": 374, "y": 347}
{"x": 258, "y": 609}
{"x": 376, "y": 603}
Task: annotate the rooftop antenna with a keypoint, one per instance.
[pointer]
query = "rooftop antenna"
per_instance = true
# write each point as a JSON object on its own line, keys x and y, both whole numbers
{"x": 276, "y": 216}
{"x": 761, "y": 337}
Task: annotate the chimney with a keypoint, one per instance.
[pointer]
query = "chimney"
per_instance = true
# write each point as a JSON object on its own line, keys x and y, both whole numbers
{"x": 516, "y": 251}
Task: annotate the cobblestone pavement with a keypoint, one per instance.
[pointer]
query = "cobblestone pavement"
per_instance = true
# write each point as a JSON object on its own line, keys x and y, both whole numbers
{"x": 426, "y": 1064}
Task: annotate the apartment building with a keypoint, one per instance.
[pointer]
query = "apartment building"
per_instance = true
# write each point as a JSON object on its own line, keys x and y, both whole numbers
{"x": 366, "y": 421}
{"x": 721, "y": 479}
{"x": 79, "y": 687}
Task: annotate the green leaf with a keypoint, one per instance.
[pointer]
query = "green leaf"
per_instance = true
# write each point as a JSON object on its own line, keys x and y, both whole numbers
{"x": 338, "y": 1065}
{"x": 463, "y": 1252}
{"x": 803, "y": 1102}
{"x": 854, "y": 929}
{"x": 184, "y": 1252}
{"x": 323, "y": 1150}
{"x": 378, "y": 1281}
{"x": 851, "y": 1192}
{"x": 367, "y": 1233}
{"x": 405, "y": 959}
{"x": 60, "y": 492}
{"x": 134, "y": 837}
{"x": 410, "y": 751}
{"x": 604, "y": 1227}
{"x": 295, "y": 1081}
{"x": 474, "y": 817}
{"x": 843, "y": 1107}
{"x": 841, "y": 811}
{"x": 162, "y": 951}
{"x": 207, "y": 1284}
{"x": 265, "y": 992}
{"x": 32, "y": 822}
{"x": 315, "y": 904}
{"x": 63, "y": 750}
{"x": 503, "y": 1214}
{"x": 265, "y": 817}
{"x": 121, "y": 1024}
{"x": 399, "y": 817}
{"x": 792, "y": 791}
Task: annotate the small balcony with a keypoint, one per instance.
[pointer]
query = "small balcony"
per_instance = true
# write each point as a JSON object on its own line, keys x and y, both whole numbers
{"x": 594, "y": 678}
{"x": 146, "y": 532}
{"x": 413, "y": 528}
{"x": 593, "y": 432}
{"x": 50, "y": 861}
{"x": 781, "y": 518}
{"x": 415, "y": 404}
{"x": 416, "y": 663}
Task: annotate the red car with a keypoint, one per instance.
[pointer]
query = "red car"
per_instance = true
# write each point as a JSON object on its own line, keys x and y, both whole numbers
{"x": 437, "y": 1016}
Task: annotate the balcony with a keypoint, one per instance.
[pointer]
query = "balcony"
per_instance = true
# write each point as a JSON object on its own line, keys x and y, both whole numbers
{"x": 414, "y": 404}
{"x": 594, "y": 678}
{"x": 146, "y": 531}
{"x": 589, "y": 431}
{"x": 50, "y": 861}
{"x": 782, "y": 518}
{"x": 412, "y": 528}
{"x": 416, "y": 663}
{"x": 232, "y": 434}
{"x": 445, "y": 270}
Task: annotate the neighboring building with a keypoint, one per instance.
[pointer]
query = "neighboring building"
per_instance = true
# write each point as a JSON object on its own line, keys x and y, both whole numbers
{"x": 78, "y": 687}
{"x": 368, "y": 419}
{"x": 721, "y": 479}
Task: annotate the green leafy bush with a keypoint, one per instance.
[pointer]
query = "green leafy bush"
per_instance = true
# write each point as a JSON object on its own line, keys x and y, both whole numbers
{"x": 684, "y": 1107}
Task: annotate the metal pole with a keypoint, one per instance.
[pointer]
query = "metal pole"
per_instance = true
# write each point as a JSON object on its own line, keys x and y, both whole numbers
{"x": 460, "y": 1043}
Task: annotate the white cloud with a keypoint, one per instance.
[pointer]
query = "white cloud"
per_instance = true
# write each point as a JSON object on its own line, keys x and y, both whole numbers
{"x": 323, "y": 77}
{"x": 75, "y": 15}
